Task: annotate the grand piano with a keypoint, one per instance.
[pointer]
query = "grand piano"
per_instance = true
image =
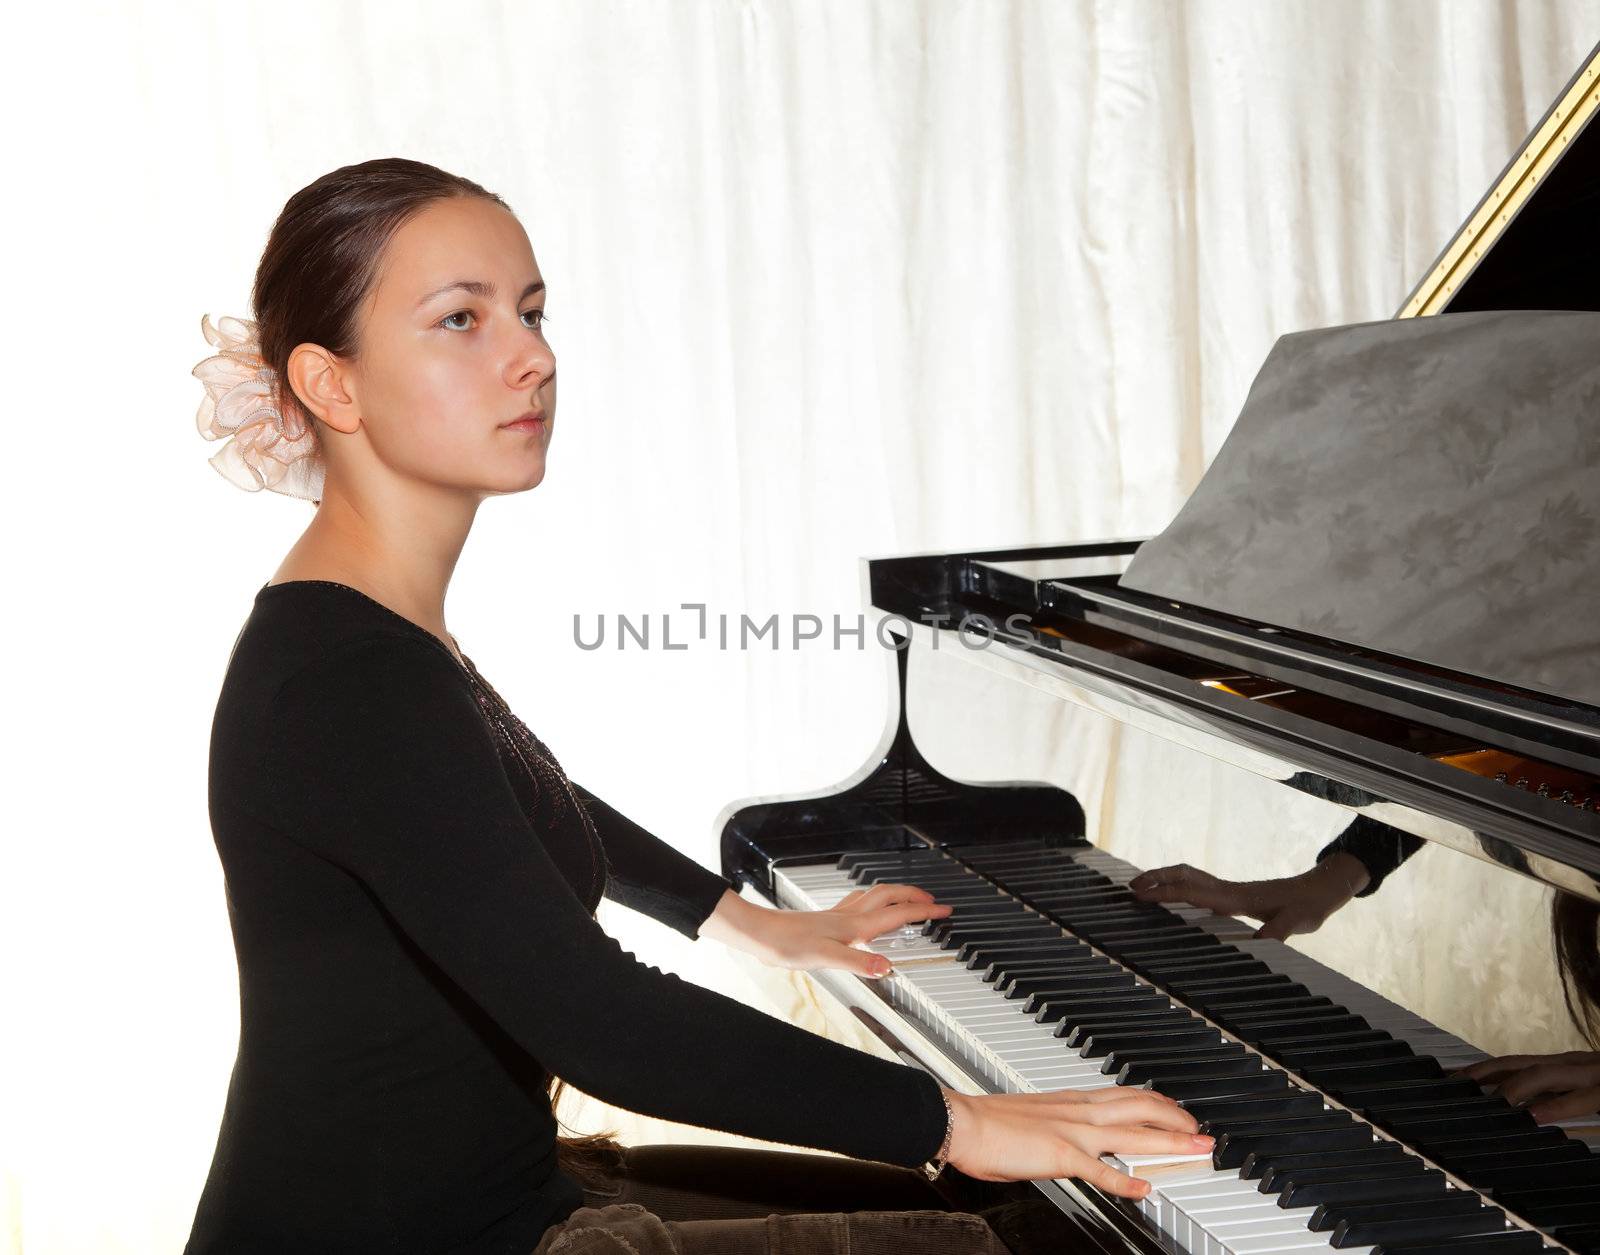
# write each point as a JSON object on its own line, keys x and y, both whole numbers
{"x": 1339, "y": 1125}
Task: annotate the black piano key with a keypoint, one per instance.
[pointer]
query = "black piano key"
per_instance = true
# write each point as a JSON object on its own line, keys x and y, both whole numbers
{"x": 1278, "y": 1047}
{"x": 1214, "y": 972}
{"x": 1279, "y": 1124}
{"x": 1205, "y": 1053}
{"x": 1199, "y": 964}
{"x": 1003, "y": 952}
{"x": 1548, "y": 1208}
{"x": 1062, "y": 880}
{"x": 1232, "y": 1148}
{"x": 1019, "y": 984}
{"x": 930, "y": 928}
{"x": 1454, "y": 1104}
{"x": 1335, "y": 1076}
{"x": 1585, "y": 1239}
{"x": 911, "y": 854}
{"x": 1267, "y": 1081}
{"x": 1090, "y": 909}
{"x": 1303, "y": 1013}
{"x": 981, "y": 853}
{"x": 1511, "y": 1242}
{"x": 935, "y": 882}
{"x": 1114, "y": 1003}
{"x": 1278, "y": 1179}
{"x": 1343, "y": 1028}
{"x": 1265, "y": 1165}
{"x": 1219, "y": 1000}
{"x": 1101, "y": 1044}
{"x": 1142, "y": 953}
{"x": 1582, "y": 1171}
{"x": 1070, "y": 992}
{"x": 1569, "y": 1151}
{"x": 1496, "y": 1142}
{"x": 1281, "y": 1009}
{"x": 1156, "y": 1072}
{"x": 954, "y": 934}
{"x": 1052, "y": 955}
{"x": 1067, "y": 981}
{"x": 1158, "y": 925}
{"x": 1160, "y": 946}
{"x": 997, "y": 966}
{"x": 1199, "y": 988}
{"x": 1091, "y": 924}
{"x": 1063, "y": 1000}
{"x": 1425, "y": 1132}
{"x": 1083, "y": 901}
{"x": 1019, "y": 872}
{"x": 1386, "y": 1094}
{"x": 965, "y": 948}
{"x": 1077, "y": 1026}
{"x": 1294, "y": 1102}
{"x": 1019, "y": 981}
{"x": 1384, "y": 1189}
{"x": 1456, "y": 1214}
{"x": 1297, "y": 1057}
{"x": 974, "y": 904}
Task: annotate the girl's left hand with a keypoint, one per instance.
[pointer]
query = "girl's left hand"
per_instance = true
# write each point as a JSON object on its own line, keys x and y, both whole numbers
{"x": 1565, "y": 1085}
{"x": 823, "y": 939}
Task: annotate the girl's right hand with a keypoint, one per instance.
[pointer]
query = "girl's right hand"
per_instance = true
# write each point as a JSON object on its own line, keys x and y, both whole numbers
{"x": 1035, "y": 1137}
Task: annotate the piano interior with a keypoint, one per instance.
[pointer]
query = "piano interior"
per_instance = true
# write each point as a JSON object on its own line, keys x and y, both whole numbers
{"x": 1339, "y": 1120}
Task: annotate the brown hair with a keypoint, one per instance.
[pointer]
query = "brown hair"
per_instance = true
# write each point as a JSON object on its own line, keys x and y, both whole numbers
{"x": 1575, "y": 926}
{"x": 322, "y": 256}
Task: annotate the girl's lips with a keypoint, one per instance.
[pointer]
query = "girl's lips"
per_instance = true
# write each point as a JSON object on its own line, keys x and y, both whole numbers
{"x": 526, "y": 424}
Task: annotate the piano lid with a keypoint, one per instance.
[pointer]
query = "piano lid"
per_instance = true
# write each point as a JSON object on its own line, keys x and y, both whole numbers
{"x": 1530, "y": 242}
{"x": 1427, "y": 488}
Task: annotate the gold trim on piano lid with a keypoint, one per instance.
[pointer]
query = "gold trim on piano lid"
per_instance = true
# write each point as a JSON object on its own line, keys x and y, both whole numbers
{"x": 1540, "y": 151}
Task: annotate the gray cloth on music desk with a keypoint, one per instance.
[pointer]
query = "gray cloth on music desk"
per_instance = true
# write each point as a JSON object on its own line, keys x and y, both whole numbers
{"x": 1428, "y": 487}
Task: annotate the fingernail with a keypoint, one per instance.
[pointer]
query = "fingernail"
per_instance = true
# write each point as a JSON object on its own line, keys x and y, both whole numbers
{"x": 1203, "y": 1141}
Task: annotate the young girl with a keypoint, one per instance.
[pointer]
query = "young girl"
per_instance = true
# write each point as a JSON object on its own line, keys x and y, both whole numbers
{"x": 412, "y": 879}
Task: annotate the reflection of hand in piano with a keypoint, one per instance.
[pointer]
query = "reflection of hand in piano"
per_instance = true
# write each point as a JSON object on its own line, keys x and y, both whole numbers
{"x": 827, "y": 938}
{"x": 1567, "y": 1085}
{"x": 1285, "y": 906}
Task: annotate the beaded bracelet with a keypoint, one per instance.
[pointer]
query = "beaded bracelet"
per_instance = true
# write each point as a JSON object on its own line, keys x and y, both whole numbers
{"x": 935, "y": 1166}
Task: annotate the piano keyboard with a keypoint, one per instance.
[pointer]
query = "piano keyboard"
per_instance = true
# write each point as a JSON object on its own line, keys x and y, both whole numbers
{"x": 1337, "y": 1124}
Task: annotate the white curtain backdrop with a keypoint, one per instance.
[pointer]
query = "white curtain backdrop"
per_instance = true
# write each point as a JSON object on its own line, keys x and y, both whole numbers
{"x": 827, "y": 279}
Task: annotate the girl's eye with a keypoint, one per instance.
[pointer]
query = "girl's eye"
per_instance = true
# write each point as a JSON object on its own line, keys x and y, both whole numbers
{"x": 464, "y": 313}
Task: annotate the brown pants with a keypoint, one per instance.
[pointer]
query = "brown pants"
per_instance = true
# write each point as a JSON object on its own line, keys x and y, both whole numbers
{"x": 726, "y": 1200}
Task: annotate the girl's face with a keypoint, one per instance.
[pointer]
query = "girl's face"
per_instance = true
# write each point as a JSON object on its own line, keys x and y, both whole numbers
{"x": 452, "y": 351}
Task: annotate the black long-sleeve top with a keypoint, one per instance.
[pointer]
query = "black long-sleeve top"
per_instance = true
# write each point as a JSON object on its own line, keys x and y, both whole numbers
{"x": 1378, "y": 847}
{"x": 411, "y": 895}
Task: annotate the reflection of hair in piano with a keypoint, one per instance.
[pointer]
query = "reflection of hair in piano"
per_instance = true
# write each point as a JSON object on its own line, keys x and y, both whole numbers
{"x": 1574, "y": 921}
